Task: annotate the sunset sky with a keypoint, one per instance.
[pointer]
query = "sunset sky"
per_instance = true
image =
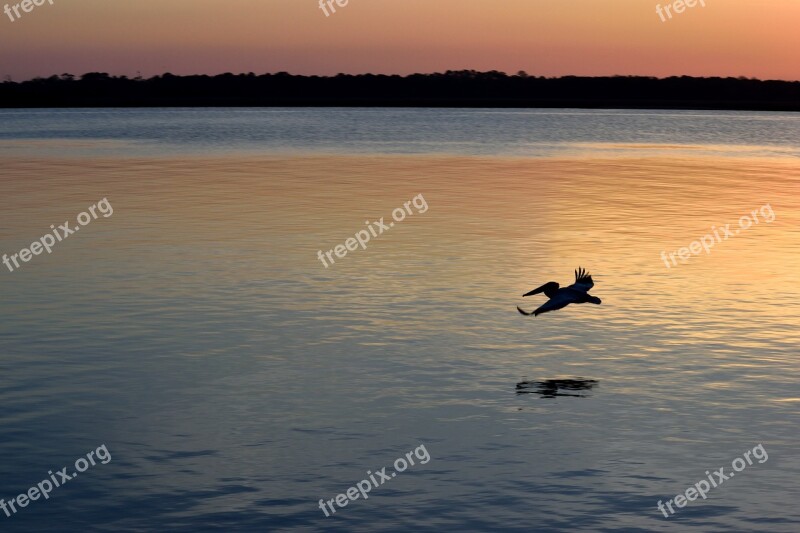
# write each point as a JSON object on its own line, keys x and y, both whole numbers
{"x": 543, "y": 37}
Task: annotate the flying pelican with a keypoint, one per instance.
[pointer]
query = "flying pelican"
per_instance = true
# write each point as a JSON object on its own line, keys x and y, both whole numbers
{"x": 577, "y": 293}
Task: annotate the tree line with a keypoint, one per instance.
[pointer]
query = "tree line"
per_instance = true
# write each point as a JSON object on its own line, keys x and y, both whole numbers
{"x": 464, "y": 88}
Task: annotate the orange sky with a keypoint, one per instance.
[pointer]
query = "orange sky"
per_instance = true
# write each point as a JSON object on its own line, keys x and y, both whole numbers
{"x": 543, "y": 37}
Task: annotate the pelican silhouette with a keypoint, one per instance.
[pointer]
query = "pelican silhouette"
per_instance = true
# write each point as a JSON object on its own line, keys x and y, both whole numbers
{"x": 577, "y": 293}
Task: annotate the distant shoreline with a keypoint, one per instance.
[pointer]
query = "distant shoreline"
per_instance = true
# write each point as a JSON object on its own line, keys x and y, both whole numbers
{"x": 453, "y": 89}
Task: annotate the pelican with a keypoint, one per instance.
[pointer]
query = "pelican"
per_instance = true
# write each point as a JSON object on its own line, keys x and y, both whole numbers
{"x": 577, "y": 293}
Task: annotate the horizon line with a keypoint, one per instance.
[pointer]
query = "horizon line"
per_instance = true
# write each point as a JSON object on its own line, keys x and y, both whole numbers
{"x": 7, "y": 78}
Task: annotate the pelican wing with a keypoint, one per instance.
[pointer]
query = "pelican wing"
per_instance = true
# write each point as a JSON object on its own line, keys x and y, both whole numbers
{"x": 583, "y": 281}
{"x": 549, "y": 289}
{"x": 559, "y": 301}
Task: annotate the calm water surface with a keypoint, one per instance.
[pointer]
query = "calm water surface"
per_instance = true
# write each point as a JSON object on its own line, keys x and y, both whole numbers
{"x": 236, "y": 381}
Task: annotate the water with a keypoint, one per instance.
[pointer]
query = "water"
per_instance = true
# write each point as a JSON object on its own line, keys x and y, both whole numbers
{"x": 236, "y": 381}
{"x": 479, "y": 132}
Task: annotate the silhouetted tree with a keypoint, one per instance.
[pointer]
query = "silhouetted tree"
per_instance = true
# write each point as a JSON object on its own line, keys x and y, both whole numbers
{"x": 453, "y": 88}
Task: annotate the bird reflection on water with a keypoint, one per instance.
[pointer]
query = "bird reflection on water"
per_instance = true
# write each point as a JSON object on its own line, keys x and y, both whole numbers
{"x": 550, "y": 388}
